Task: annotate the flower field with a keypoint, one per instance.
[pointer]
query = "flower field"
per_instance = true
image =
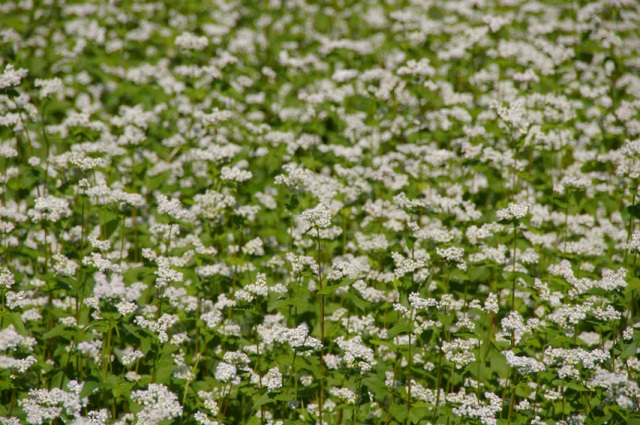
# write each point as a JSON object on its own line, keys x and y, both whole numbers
{"x": 319, "y": 212}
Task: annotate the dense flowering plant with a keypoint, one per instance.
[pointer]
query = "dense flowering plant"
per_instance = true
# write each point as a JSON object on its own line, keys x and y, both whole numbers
{"x": 330, "y": 212}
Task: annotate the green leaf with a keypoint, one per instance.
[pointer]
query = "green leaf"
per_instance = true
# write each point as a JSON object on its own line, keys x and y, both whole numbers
{"x": 634, "y": 210}
{"x": 416, "y": 414}
{"x": 445, "y": 319}
{"x": 89, "y": 387}
{"x": 287, "y": 302}
{"x": 575, "y": 386}
{"x": 633, "y": 284}
{"x": 56, "y": 331}
{"x": 399, "y": 329}
{"x": 262, "y": 400}
{"x": 331, "y": 289}
{"x": 399, "y": 412}
{"x": 18, "y": 324}
{"x": 284, "y": 397}
{"x": 122, "y": 388}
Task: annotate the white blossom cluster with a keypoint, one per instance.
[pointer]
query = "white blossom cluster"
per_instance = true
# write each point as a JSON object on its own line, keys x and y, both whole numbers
{"x": 321, "y": 212}
{"x": 159, "y": 404}
{"x": 512, "y": 212}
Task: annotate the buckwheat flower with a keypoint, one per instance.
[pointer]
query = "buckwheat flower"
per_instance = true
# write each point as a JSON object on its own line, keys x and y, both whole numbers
{"x": 634, "y": 364}
{"x": 471, "y": 407}
{"x": 296, "y": 176}
{"x": 627, "y": 333}
{"x": 405, "y": 265}
{"x": 49, "y": 208}
{"x": 179, "y": 338}
{"x": 6, "y": 278}
{"x": 273, "y": 379}
{"x": 11, "y": 339}
{"x": 108, "y": 288}
{"x": 523, "y": 405}
{"x": 453, "y": 254}
{"x": 254, "y": 247}
{"x": 633, "y": 243}
{"x": 34, "y": 161}
{"x": 404, "y": 311}
{"x": 16, "y": 299}
{"x": 64, "y": 266}
{"x": 235, "y": 174}
{"x": 190, "y": 41}
{"x": 513, "y": 212}
{"x": 612, "y": 280}
{"x": 160, "y": 327}
{"x": 98, "y": 261}
{"x": 356, "y": 354}
{"x": 129, "y": 356}
{"x": 345, "y": 395}
{"x": 49, "y": 87}
{"x": 459, "y": 351}
{"x": 318, "y": 217}
{"x": 92, "y": 350}
{"x": 299, "y": 338}
{"x": 369, "y": 293}
{"x": 126, "y": 307}
{"x": 211, "y": 205}
{"x": 475, "y": 235}
{"x": 226, "y": 372}
{"x": 420, "y": 68}
{"x": 421, "y": 304}
{"x": 298, "y": 262}
{"x": 159, "y": 404}
{"x": 99, "y": 417}
{"x": 607, "y": 314}
{"x": 69, "y": 321}
{"x": 173, "y": 208}
{"x": 590, "y": 338}
{"x": 572, "y": 182}
{"x": 209, "y": 401}
{"x": 46, "y": 405}
{"x": 11, "y": 77}
{"x": 165, "y": 274}
{"x": 203, "y": 419}
{"x": 525, "y": 365}
{"x": 513, "y": 323}
{"x": 18, "y": 365}
{"x": 31, "y": 315}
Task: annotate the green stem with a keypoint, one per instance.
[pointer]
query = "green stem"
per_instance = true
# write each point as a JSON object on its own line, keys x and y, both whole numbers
{"x": 513, "y": 288}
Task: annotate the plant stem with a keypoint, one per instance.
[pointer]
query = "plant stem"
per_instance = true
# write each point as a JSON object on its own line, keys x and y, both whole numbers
{"x": 513, "y": 288}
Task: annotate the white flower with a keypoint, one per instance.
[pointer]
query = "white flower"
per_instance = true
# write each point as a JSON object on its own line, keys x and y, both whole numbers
{"x": 159, "y": 404}
{"x": 6, "y": 278}
{"x": 11, "y": 77}
{"x": 225, "y": 372}
{"x": 46, "y": 405}
{"x": 49, "y": 87}
{"x": 273, "y": 379}
{"x": 491, "y": 303}
{"x": 130, "y": 356}
{"x": 189, "y": 41}
{"x": 525, "y": 365}
{"x": 236, "y": 174}
{"x": 513, "y": 212}
{"x": 49, "y": 208}
{"x": 254, "y": 247}
{"x": 459, "y": 351}
{"x": 344, "y": 394}
{"x": 318, "y": 217}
